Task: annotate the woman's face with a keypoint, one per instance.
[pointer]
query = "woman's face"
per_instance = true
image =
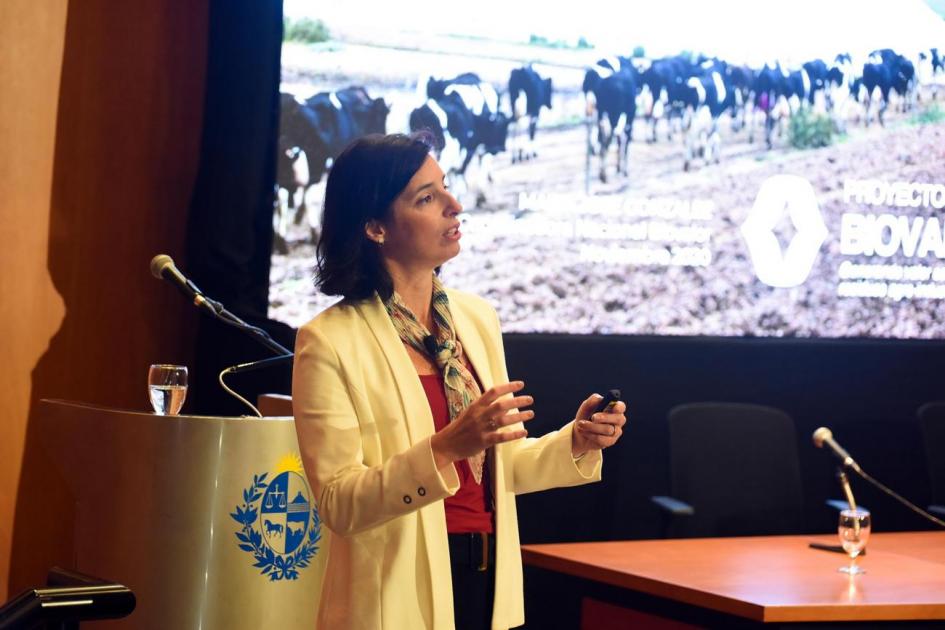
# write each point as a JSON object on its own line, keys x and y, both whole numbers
{"x": 423, "y": 230}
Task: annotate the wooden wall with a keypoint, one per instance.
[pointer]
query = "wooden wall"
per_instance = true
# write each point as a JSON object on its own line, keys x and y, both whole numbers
{"x": 100, "y": 121}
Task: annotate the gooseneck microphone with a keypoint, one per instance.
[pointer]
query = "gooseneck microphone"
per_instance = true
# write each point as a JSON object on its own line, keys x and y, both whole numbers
{"x": 262, "y": 363}
{"x": 822, "y": 436}
{"x": 163, "y": 268}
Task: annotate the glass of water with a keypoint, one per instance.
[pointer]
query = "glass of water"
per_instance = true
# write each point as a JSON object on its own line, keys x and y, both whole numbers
{"x": 167, "y": 386}
{"x": 854, "y": 531}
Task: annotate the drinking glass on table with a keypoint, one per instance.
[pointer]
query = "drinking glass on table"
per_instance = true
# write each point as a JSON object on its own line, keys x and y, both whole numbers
{"x": 167, "y": 386}
{"x": 854, "y": 531}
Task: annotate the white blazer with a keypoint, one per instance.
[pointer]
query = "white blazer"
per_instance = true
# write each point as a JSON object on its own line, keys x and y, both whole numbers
{"x": 364, "y": 427}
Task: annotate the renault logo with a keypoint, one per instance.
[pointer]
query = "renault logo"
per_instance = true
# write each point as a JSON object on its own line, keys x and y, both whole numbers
{"x": 782, "y": 195}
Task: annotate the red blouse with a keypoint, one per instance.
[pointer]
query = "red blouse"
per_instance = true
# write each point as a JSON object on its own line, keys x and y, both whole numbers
{"x": 470, "y": 509}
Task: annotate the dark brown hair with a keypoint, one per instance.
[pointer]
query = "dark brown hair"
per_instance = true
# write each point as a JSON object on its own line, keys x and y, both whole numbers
{"x": 363, "y": 183}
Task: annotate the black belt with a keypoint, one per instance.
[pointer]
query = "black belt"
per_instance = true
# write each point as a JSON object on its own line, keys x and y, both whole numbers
{"x": 475, "y": 550}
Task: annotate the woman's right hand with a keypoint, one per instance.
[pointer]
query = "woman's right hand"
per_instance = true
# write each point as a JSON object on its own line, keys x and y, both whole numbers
{"x": 480, "y": 424}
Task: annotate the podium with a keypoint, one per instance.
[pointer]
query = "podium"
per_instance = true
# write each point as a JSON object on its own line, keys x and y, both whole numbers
{"x": 210, "y": 521}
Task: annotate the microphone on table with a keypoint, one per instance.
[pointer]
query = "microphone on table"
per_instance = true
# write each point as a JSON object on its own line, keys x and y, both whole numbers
{"x": 163, "y": 268}
{"x": 847, "y": 490}
{"x": 822, "y": 436}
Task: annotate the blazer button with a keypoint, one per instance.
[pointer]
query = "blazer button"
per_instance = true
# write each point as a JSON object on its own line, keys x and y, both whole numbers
{"x": 422, "y": 491}
{"x": 407, "y": 499}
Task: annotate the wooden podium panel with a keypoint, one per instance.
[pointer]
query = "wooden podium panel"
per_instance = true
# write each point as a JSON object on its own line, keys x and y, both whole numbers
{"x": 275, "y": 405}
{"x": 769, "y": 579}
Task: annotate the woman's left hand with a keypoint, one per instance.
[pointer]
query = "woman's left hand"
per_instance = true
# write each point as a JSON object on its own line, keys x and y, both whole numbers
{"x": 595, "y": 431}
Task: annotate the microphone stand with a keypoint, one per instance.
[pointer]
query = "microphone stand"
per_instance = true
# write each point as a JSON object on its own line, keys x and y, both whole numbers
{"x": 228, "y": 318}
{"x": 259, "y": 334}
{"x": 163, "y": 268}
{"x": 876, "y": 484}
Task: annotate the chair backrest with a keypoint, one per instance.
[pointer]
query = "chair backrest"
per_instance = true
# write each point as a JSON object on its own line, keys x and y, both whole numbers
{"x": 737, "y": 465}
{"x": 932, "y": 423}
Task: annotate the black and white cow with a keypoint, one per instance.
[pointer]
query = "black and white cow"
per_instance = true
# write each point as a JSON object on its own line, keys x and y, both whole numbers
{"x": 777, "y": 93}
{"x": 341, "y": 117}
{"x": 436, "y": 88}
{"x": 740, "y": 79}
{"x": 610, "y": 89}
{"x": 464, "y": 119}
{"x": 296, "y": 142}
{"x": 796, "y": 88}
{"x": 706, "y": 98}
{"x": 937, "y": 61}
{"x": 593, "y": 76}
{"x": 528, "y": 93}
{"x": 663, "y": 93}
{"x": 927, "y": 65}
{"x": 291, "y": 162}
{"x": 840, "y": 91}
{"x": 311, "y": 135}
{"x": 886, "y": 72}
{"x": 821, "y": 76}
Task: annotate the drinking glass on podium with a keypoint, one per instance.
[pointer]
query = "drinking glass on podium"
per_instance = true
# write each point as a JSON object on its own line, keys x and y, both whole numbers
{"x": 854, "y": 531}
{"x": 167, "y": 386}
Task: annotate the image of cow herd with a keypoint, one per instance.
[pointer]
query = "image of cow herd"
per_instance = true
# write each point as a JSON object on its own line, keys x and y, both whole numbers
{"x": 694, "y": 121}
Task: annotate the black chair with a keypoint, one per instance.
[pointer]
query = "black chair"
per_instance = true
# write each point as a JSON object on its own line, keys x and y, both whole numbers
{"x": 932, "y": 423}
{"x": 734, "y": 471}
{"x": 69, "y": 598}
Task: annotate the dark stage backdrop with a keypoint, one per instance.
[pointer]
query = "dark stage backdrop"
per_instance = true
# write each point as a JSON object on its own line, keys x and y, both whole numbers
{"x": 229, "y": 235}
{"x": 867, "y": 391}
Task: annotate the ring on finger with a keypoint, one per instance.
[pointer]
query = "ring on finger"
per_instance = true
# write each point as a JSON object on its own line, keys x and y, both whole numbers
{"x": 492, "y": 425}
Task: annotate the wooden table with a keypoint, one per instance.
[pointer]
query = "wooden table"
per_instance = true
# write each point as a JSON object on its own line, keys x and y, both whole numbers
{"x": 768, "y": 579}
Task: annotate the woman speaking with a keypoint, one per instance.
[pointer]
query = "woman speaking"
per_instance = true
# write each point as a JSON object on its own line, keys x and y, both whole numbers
{"x": 411, "y": 433}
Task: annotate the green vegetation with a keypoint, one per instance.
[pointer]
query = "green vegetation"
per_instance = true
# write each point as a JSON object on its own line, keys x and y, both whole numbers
{"x": 540, "y": 40}
{"x": 811, "y": 131}
{"x": 639, "y": 52}
{"x": 928, "y": 116}
{"x": 305, "y": 30}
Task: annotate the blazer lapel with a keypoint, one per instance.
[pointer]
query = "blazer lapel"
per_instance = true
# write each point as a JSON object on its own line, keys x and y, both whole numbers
{"x": 417, "y": 416}
{"x": 473, "y": 344}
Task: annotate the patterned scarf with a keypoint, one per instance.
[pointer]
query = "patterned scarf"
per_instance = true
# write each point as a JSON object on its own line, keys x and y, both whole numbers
{"x": 461, "y": 388}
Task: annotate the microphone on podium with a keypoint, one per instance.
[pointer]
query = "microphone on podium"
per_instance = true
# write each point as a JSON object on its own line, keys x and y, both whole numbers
{"x": 822, "y": 436}
{"x": 247, "y": 367}
{"x": 262, "y": 363}
{"x": 163, "y": 268}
